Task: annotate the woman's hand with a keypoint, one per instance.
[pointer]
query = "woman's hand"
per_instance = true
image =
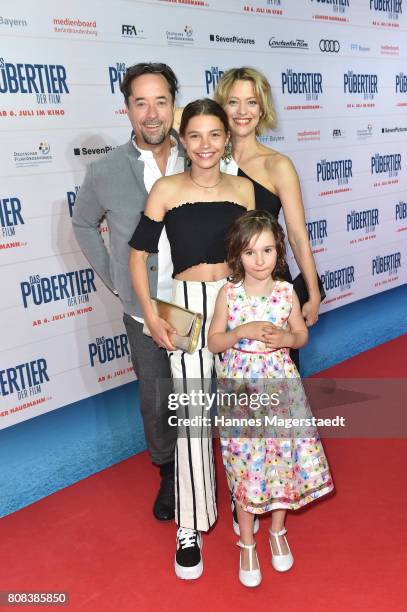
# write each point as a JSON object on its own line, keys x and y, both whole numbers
{"x": 160, "y": 332}
{"x": 310, "y": 311}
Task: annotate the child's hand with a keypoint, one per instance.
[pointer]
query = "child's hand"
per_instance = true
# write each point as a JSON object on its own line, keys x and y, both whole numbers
{"x": 256, "y": 330}
{"x": 278, "y": 338}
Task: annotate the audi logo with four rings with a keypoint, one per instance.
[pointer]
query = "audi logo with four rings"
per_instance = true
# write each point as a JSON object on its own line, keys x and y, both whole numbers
{"x": 329, "y": 46}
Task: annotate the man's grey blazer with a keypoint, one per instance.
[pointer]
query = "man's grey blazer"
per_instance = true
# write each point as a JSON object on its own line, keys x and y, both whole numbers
{"x": 114, "y": 188}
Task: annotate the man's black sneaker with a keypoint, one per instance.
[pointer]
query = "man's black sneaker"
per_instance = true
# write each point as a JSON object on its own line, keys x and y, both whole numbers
{"x": 188, "y": 558}
{"x": 236, "y": 527}
{"x": 164, "y": 505}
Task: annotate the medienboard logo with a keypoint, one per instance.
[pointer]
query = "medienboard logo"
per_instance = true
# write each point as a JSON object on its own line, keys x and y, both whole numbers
{"x": 93, "y": 150}
{"x": 231, "y": 39}
{"x": 67, "y": 25}
{"x": 130, "y": 31}
{"x": 12, "y": 22}
{"x": 297, "y": 43}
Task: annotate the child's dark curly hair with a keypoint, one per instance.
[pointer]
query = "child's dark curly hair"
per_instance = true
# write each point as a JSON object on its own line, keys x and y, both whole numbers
{"x": 250, "y": 224}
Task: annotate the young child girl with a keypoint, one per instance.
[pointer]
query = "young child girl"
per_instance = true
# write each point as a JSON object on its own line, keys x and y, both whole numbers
{"x": 257, "y": 319}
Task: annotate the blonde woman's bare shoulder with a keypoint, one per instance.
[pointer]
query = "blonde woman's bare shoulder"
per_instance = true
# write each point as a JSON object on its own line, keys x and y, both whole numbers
{"x": 279, "y": 161}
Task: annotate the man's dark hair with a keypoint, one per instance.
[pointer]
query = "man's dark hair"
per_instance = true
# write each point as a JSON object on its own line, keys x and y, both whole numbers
{"x": 137, "y": 70}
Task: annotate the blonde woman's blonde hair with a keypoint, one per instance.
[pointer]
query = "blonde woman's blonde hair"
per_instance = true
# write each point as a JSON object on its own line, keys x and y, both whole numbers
{"x": 268, "y": 119}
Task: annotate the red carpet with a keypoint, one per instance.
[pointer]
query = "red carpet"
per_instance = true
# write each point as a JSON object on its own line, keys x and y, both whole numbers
{"x": 99, "y": 541}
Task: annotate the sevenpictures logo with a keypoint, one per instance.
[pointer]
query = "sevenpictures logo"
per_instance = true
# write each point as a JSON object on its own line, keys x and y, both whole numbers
{"x": 87, "y": 151}
{"x": 398, "y": 129}
{"x": 329, "y": 45}
{"x": 231, "y": 39}
{"x": 212, "y": 76}
{"x": 280, "y": 43}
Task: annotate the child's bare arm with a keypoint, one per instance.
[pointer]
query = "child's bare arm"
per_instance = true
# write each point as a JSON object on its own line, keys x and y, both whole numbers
{"x": 294, "y": 337}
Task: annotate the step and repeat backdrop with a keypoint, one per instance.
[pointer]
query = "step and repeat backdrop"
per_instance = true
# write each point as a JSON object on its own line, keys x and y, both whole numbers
{"x": 339, "y": 78}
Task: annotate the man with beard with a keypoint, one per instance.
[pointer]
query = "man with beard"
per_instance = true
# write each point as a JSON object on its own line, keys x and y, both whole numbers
{"x": 116, "y": 187}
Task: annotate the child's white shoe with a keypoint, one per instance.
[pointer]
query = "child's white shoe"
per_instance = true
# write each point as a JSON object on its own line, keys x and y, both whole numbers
{"x": 236, "y": 528}
{"x": 281, "y": 562}
{"x": 250, "y": 577}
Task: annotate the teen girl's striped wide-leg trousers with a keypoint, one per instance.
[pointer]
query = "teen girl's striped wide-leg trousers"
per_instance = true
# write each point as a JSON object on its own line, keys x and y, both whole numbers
{"x": 195, "y": 501}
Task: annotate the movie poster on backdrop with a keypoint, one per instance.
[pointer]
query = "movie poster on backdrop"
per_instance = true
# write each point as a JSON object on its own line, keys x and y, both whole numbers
{"x": 340, "y": 89}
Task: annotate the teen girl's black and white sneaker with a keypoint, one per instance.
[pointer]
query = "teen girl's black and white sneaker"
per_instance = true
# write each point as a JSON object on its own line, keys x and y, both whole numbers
{"x": 188, "y": 558}
{"x": 236, "y": 528}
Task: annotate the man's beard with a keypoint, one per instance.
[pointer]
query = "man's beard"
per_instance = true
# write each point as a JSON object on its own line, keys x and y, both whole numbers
{"x": 154, "y": 139}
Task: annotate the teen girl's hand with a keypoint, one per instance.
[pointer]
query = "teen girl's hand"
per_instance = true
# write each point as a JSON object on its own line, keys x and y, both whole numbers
{"x": 160, "y": 332}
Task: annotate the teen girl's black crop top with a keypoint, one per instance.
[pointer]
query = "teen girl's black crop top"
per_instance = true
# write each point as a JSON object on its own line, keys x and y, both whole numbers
{"x": 196, "y": 233}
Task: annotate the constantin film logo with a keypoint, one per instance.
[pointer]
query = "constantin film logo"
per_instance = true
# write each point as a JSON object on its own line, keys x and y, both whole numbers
{"x": 294, "y": 43}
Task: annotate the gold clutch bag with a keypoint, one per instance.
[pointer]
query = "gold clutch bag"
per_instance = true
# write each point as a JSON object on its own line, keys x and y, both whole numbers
{"x": 187, "y": 323}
